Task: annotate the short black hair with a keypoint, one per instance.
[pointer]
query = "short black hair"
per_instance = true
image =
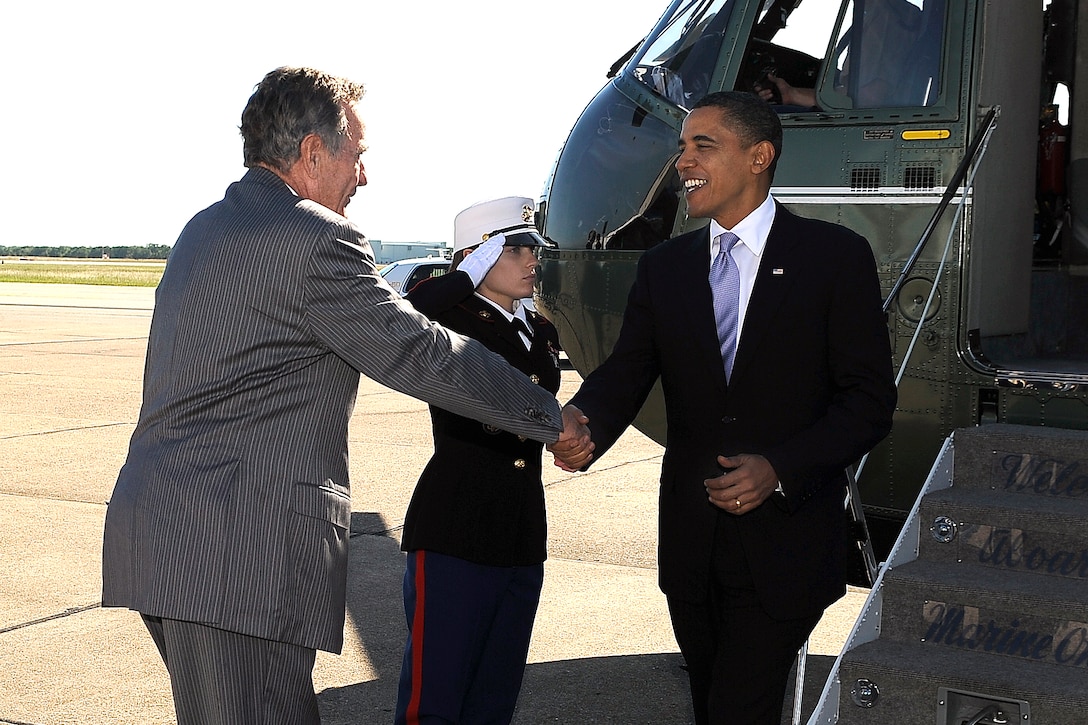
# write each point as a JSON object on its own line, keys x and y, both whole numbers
{"x": 748, "y": 116}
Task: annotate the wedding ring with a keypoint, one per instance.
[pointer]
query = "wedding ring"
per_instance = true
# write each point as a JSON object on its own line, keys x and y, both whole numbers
{"x": 738, "y": 503}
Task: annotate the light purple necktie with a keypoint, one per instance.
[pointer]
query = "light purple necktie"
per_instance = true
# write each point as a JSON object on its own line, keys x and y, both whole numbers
{"x": 725, "y": 287}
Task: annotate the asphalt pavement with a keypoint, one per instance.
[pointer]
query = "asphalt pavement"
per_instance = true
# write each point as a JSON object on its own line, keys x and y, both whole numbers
{"x": 71, "y": 361}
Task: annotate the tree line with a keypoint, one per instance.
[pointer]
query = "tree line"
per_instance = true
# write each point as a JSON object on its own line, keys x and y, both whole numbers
{"x": 148, "y": 251}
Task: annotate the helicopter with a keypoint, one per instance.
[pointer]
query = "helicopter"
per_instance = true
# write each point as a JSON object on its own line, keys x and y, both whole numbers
{"x": 944, "y": 131}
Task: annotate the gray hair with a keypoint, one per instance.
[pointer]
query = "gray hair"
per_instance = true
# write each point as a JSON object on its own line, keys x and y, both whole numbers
{"x": 288, "y": 105}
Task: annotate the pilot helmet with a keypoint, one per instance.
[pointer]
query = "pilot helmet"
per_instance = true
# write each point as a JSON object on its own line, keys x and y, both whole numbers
{"x": 511, "y": 216}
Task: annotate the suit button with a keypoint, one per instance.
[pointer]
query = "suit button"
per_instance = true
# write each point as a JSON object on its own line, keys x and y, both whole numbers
{"x": 519, "y": 463}
{"x": 728, "y": 419}
{"x": 534, "y": 379}
{"x": 522, "y": 439}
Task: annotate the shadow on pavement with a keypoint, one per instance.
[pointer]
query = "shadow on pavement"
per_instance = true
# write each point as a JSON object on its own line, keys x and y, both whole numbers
{"x": 617, "y": 689}
{"x": 648, "y": 689}
{"x": 622, "y": 689}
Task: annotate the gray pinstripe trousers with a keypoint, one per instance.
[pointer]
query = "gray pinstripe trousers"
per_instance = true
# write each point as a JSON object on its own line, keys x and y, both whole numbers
{"x": 226, "y": 678}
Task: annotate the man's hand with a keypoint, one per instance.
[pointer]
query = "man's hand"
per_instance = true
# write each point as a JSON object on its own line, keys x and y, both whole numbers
{"x": 789, "y": 95}
{"x": 479, "y": 261}
{"x": 574, "y": 449}
{"x": 750, "y": 482}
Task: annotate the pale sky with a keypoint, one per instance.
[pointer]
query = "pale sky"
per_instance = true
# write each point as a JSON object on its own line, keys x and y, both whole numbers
{"x": 120, "y": 118}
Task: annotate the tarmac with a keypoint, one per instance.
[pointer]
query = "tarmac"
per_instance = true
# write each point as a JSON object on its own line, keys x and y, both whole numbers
{"x": 71, "y": 363}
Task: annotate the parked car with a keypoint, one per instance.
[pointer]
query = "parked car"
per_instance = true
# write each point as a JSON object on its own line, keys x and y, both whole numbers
{"x": 403, "y": 275}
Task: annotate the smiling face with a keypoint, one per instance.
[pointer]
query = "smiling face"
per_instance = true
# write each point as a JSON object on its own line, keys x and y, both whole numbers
{"x": 511, "y": 278}
{"x": 723, "y": 179}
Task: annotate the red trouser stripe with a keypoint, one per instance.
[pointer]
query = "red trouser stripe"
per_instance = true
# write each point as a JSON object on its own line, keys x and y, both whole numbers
{"x": 412, "y": 713}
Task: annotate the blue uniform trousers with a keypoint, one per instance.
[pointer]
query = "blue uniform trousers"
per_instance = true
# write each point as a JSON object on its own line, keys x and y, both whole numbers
{"x": 468, "y": 636}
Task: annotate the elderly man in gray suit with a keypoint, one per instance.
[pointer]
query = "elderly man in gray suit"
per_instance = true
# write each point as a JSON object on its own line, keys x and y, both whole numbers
{"x": 228, "y": 526}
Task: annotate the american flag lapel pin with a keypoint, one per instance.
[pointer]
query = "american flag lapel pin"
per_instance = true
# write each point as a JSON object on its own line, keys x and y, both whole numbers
{"x": 778, "y": 271}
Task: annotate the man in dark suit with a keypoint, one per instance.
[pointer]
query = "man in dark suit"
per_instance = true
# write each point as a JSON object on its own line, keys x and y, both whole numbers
{"x": 774, "y": 381}
{"x": 228, "y": 526}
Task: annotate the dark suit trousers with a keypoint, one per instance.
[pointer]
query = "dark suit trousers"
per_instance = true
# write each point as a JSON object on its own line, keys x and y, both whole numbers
{"x": 738, "y": 657}
{"x": 225, "y": 678}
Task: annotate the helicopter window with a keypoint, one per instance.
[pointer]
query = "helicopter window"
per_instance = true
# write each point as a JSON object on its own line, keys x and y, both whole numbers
{"x": 679, "y": 61}
{"x": 888, "y": 54}
{"x": 788, "y": 42}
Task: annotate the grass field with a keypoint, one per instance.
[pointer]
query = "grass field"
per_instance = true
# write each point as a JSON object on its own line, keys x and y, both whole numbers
{"x": 118, "y": 273}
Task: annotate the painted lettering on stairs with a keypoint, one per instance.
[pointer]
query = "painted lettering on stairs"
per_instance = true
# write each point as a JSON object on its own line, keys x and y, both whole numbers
{"x": 1027, "y": 473}
{"x": 1017, "y": 549}
{"x": 963, "y": 627}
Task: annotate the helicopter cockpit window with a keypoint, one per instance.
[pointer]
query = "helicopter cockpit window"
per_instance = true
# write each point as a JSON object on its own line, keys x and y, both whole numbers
{"x": 888, "y": 54}
{"x": 880, "y": 54}
{"x": 788, "y": 43}
{"x": 680, "y": 60}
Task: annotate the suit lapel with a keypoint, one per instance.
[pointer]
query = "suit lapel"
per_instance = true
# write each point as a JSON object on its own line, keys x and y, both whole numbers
{"x": 692, "y": 280}
{"x": 774, "y": 278}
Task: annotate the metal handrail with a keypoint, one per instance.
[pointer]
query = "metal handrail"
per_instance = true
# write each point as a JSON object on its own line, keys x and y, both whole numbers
{"x": 853, "y": 498}
{"x": 978, "y": 150}
{"x": 946, "y": 198}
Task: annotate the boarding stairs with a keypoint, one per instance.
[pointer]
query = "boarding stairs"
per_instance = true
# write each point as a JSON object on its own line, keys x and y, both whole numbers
{"x": 980, "y": 614}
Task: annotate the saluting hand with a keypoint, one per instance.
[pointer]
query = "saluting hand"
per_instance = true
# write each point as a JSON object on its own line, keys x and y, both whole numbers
{"x": 480, "y": 260}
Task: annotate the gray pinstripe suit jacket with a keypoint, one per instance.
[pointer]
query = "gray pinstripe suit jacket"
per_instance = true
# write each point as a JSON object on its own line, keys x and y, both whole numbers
{"x": 233, "y": 506}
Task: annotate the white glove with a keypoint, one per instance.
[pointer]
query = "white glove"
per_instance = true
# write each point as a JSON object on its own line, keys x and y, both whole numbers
{"x": 480, "y": 261}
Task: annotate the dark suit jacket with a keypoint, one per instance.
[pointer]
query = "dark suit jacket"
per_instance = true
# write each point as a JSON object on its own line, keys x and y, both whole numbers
{"x": 812, "y": 390}
{"x": 233, "y": 506}
{"x": 481, "y": 498}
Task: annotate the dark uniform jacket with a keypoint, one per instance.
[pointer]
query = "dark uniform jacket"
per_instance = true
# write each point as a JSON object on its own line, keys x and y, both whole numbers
{"x": 480, "y": 498}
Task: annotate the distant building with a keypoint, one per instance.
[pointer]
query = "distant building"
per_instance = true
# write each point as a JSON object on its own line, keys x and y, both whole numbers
{"x": 386, "y": 252}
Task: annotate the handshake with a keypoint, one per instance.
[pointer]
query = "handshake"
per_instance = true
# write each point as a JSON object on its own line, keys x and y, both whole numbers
{"x": 745, "y": 482}
{"x": 574, "y": 449}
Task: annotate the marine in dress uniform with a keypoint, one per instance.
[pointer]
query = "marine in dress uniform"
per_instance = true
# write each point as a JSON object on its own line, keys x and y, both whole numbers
{"x": 475, "y": 532}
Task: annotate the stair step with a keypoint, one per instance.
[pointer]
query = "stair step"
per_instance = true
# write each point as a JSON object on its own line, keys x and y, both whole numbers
{"x": 909, "y": 675}
{"x": 1006, "y": 532}
{"x": 998, "y": 611}
{"x": 1015, "y": 615}
{"x": 1026, "y": 460}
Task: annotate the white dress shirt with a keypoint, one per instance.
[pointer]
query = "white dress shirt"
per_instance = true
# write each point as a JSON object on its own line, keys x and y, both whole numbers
{"x": 747, "y": 253}
{"x": 752, "y": 231}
